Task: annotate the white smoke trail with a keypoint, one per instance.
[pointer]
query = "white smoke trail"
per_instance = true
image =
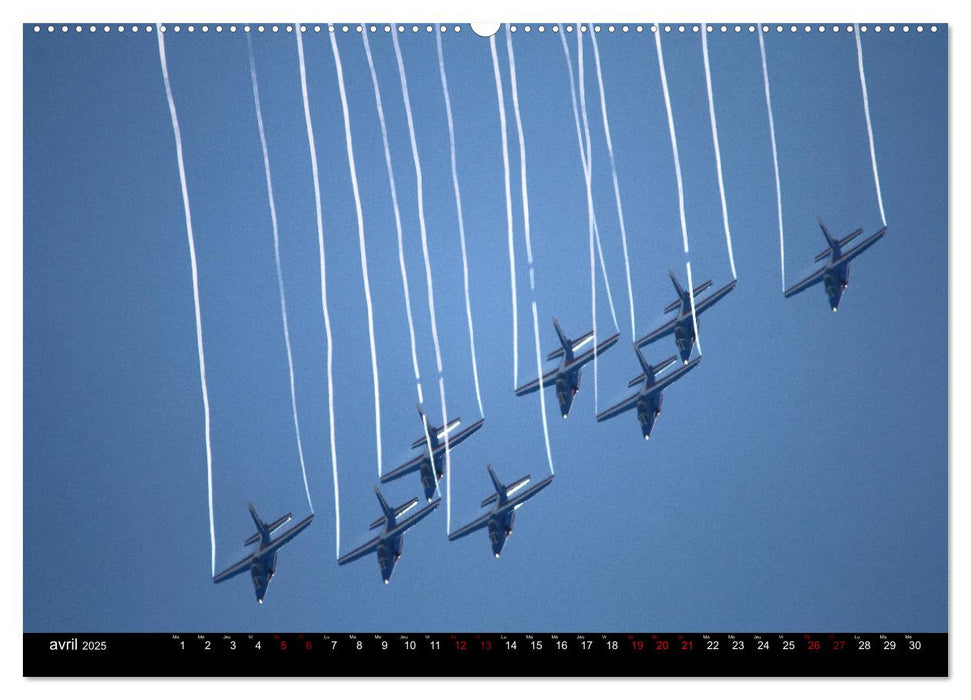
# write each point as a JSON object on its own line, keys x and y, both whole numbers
{"x": 583, "y": 163}
{"x": 529, "y": 245}
{"x": 509, "y": 236}
{"x": 677, "y": 172}
{"x": 397, "y": 217}
{"x": 458, "y": 207}
{"x": 613, "y": 169}
{"x": 424, "y": 250}
{"x": 775, "y": 160}
{"x": 323, "y": 282}
{"x": 279, "y": 268}
{"x": 869, "y": 126}
{"x": 587, "y": 172}
{"x": 361, "y": 243}
{"x": 195, "y": 282}
{"x": 718, "y": 155}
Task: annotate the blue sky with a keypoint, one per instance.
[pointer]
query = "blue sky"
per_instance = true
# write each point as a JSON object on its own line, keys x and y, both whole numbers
{"x": 796, "y": 480}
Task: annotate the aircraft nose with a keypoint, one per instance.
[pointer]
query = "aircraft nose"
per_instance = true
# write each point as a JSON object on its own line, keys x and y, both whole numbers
{"x": 386, "y": 582}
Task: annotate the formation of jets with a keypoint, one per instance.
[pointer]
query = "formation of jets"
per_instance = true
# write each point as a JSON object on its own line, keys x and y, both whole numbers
{"x": 573, "y": 355}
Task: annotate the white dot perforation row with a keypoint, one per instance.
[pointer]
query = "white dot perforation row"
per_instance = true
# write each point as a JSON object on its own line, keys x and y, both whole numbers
{"x": 428, "y": 28}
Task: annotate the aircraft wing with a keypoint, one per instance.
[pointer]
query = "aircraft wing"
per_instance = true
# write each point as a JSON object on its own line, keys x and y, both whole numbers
{"x": 288, "y": 535}
{"x": 236, "y": 569}
{"x": 412, "y": 465}
{"x": 660, "y": 332}
{"x": 710, "y": 300}
{"x": 476, "y": 524}
{"x": 674, "y": 376}
{"x": 814, "y": 278}
{"x": 615, "y": 410}
{"x": 849, "y": 255}
{"x": 462, "y": 435}
{"x": 526, "y": 494}
{"x": 368, "y": 547}
{"x": 414, "y": 518}
{"x": 549, "y": 379}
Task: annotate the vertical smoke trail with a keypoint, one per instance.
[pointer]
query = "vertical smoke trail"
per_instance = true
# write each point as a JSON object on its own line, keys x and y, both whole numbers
{"x": 775, "y": 160}
{"x": 397, "y": 217}
{"x": 587, "y": 171}
{"x": 718, "y": 155}
{"x": 323, "y": 283}
{"x": 195, "y": 281}
{"x": 677, "y": 172}
{"x": 613, "y": 169}
{"x": 424, "y": 250}
{"x": 361, "y": 243}
{"x": 869, "y": 126}
{"x": 512, "y": 250}
{"x": 585, "y": 166}
{"x": 529, "y": 245}
{"x": 458, "y": 207}
{"x": 279, "y": 268}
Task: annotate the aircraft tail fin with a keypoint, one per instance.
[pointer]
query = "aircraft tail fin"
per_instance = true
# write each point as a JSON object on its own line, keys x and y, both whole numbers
{"x": 262, "y": 531}
{"x": 825, "y": 229}
{"x": 498, "y": 485}
{"x": 388, "y": 510}
{"x": 270, "y": 529}
{"x": 565, "y": 343}
{"x": 645, "y": 366}
{"x": 677, "y": 285}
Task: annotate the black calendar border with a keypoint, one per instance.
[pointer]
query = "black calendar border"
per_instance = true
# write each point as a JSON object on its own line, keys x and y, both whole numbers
{"x": 545, "y": 654}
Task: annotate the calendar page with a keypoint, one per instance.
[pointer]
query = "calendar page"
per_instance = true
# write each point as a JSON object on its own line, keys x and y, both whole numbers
{"x": 567, "y": 309}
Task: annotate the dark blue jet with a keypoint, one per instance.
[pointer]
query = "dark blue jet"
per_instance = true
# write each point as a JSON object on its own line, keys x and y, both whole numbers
{"x": 835, "y": 276}
{"x": 505, "y": 502}
{"x": 433, "y": 453}
{"x": 682, "y": 325}
{"x": 649, "y": 399}
{"x": 262, "y": 563}
{"x": 566, "y": 377}
{"x": 389, "y": 544}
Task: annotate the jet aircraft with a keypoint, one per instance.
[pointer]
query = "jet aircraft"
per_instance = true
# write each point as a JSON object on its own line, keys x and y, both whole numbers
{"x": 262, "y": 562}
{"x": 566, "y": 377}
{"x": 433, "y": 453}
{"x": 649, "y": 398}
{"x": 682, "y": 325}
{"x": 506, "y": 501}
{"x": 835, "y": 275}
{"x": 390, "y": 542}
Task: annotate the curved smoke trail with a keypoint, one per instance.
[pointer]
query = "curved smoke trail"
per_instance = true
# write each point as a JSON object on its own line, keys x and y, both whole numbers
{"x": 458, "y": 207}
{"x": 361, "y": 243}
{"x": 424, "y": 250}
{"x": 869, "y": 126}
{"x": 509, "y": 236}
{"x": 583, "y": 164}
{"x": 613, "y": 170}
{"x": 677, "y": 172}
{"x": 397, "y": 216}
{"x": 718, "y": 155}
{"x": 323, "y": 282}
{"x": 529, "y": 245}
{"x": 587, "y": 171}
{"x": 775, "y": 160}
{"x": 279, "y": 268}
{"x": 195, "y": 281}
